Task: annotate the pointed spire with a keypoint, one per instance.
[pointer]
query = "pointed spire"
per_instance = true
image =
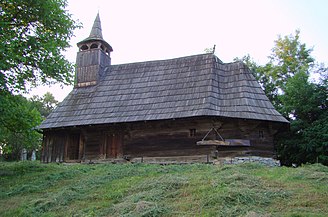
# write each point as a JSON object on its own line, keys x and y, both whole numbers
{"x": 95, "y": 36}
{"x": 96, "y": 28}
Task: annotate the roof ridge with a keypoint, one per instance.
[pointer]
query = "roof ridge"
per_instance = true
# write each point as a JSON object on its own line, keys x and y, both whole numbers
{"x": 164, "y": 60}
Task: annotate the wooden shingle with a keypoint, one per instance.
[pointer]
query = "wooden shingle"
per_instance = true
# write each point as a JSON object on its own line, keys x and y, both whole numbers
{"x": 199, "y": 85}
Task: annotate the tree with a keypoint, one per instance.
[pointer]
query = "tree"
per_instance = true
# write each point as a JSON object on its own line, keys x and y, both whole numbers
{"x": 285, "y": 80}
{"x": 289, "y": 57}
{"x": 44, "y": 104}
{"x": 306, "y": 103}
{"x": 33, "y": 36}
{"x": 303, "y": 100}
{"x": 18, "y": 122}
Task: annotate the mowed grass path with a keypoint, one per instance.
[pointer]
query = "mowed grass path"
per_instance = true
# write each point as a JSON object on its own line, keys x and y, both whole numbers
{"x": 35, "y": 189}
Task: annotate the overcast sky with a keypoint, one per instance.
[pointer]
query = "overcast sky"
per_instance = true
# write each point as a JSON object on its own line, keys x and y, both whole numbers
{"x": 152, "y": 30}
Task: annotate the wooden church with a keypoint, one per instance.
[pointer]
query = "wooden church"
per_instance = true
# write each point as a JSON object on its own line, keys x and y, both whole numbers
{"x": 183, "y": 107}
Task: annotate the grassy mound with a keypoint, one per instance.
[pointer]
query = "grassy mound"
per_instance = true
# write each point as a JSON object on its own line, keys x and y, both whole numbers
{"x": 34, "y": 189}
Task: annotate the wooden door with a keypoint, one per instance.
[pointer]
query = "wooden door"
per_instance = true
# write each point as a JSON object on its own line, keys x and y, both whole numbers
{"x": 114, "y": 146}
{"x": 73, "y": 147}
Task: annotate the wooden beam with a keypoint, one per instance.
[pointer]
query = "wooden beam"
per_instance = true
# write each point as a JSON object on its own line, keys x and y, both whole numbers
{"x": 213, "y": 142}
{"x": 81, "y": 147}
{"x": 66, "y": 147}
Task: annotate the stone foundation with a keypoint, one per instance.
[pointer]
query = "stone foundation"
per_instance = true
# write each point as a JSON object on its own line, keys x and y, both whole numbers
{"x": 262, "y": 160}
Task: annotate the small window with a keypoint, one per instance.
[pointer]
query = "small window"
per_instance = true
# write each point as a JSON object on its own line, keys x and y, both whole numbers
{"x": 261, "y": 134}
{"x": 192, "y": 132}
{"x": 84, "y": 47}
{"x": 94, "y": 46}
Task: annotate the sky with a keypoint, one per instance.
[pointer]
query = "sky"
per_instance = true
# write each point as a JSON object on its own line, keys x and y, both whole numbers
{"x": 146, "y": 30}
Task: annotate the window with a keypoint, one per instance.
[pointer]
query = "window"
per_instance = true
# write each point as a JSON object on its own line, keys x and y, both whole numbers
{"x": 94, "y": 46}
{"x": 261, "y": 134}
{"x": 84, "y": 47}
{"x": 192, "y": 132}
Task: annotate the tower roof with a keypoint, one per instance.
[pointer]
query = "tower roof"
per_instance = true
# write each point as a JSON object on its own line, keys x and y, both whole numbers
{"x": 96, "y": 29}
{"x": 96, "y": 34}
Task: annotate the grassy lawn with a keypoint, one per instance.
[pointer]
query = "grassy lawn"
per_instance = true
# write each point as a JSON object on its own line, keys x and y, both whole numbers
{"x": 35, "y": 189}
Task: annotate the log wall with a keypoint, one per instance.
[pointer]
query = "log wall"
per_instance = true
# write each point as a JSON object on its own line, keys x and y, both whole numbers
{"x": 158, "y": 139}
{"x": 179, "y": 137}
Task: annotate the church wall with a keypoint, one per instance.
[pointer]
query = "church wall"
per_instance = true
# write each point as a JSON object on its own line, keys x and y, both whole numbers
{"x": 159, "y": 139}
{"x": 179, "y": 137}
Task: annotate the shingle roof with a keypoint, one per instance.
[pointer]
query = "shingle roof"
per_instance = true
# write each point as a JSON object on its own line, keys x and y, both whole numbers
{"x": 192, "y": 86}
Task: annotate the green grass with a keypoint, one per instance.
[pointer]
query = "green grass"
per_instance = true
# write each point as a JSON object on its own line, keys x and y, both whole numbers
{"x": 35, "y": 189}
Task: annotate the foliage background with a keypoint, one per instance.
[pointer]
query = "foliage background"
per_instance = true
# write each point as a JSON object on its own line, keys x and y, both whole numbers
{"x": 33, "y": 36}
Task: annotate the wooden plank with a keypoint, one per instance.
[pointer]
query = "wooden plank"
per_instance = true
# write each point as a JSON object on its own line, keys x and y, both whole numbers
{"x": 45, "y": 146}
{"x": 227, "y": 142}
{"x": 239, "y": 142}
{"x": 113, "y": 147}
{"x": 118, "y": 144}
{"x": 73, "y": 147}
{"x": 81, "y": 146}
{"x": 67, "y": 143}
{"x": 213, "y": 142}
{"x": 109, "y": 143}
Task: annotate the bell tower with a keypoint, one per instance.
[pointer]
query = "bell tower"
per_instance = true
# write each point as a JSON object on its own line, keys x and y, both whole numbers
{"x": 93, "y": 57}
